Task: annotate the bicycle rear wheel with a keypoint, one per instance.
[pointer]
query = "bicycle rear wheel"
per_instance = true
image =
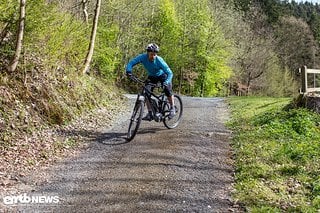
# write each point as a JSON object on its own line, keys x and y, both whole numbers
{"x": 135, "y": 120}
{"x": 173, "y": 122}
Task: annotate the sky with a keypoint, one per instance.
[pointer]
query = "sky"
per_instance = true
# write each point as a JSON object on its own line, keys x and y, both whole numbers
{"x": 313, "y": 1}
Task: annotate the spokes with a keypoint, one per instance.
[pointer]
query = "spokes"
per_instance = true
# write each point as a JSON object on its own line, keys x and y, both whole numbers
{"x": 175, "y": 120}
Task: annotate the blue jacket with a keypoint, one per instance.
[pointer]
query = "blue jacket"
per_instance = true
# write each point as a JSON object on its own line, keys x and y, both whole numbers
{"x": 154, "y": 68}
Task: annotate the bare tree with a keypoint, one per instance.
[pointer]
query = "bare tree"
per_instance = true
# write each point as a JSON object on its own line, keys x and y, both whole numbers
{"x": 85, "y": 10}
{"x": 296, "y": 45}
{"x": 254, "y": 50}
{"x": 93, "y": 37}
{"x": 14, "y": 62}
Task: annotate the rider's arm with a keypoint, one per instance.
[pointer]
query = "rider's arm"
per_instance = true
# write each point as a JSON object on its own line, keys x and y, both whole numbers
{"x": 133, "y": 62}
{"x": 167, "y": 70}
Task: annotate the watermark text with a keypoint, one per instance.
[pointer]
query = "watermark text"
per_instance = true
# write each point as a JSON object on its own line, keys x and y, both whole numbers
{"x": 26, "y": 199}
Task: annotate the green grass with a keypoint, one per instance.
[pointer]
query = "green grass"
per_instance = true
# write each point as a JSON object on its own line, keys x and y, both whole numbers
{"x": 277, "y": 155}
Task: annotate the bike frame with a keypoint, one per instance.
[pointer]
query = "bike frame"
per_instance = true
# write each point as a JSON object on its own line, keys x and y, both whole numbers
{"x": 158, "y": 105}
{"x": 148, "y": 94}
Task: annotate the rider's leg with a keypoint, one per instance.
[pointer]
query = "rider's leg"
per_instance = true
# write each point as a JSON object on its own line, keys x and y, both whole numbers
{"x": 171, "y": 101}
{"x": 168, "y": 92}
{"x": 172, "y": 108}
{"x": 148, "y": 106}
{"x": 149, "y": 116}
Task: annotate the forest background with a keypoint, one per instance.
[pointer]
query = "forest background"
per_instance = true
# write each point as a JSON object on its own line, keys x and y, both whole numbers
{"x": 209, "y": 45}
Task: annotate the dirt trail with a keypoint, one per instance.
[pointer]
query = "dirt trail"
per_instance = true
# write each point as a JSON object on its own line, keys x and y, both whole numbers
{"x": 185, "y": 169}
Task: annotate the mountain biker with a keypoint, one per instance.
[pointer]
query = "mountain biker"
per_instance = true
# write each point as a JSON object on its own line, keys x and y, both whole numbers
{"x": 158, "y": 71}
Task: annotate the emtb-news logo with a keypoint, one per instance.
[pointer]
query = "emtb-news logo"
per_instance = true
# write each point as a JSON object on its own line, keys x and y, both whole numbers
{"x": 26, "y": 199}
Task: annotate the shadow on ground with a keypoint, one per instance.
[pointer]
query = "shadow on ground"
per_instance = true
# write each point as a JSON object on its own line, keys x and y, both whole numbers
{"x": 108, "y": 138}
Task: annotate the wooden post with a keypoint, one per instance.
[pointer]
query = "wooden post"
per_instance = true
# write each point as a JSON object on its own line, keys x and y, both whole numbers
{"x": 309, "y": 97}
{"x": 304, "y": 79}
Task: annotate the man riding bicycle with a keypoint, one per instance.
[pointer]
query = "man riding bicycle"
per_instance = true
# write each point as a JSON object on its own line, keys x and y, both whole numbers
{"x": 158, "y": 71}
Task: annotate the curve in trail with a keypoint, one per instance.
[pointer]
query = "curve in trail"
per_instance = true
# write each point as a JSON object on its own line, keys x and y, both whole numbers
{"x": 185, "y": 169}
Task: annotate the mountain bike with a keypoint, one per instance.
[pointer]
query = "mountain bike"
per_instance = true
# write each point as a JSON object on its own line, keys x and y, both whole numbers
{"x": 159, "y": 104}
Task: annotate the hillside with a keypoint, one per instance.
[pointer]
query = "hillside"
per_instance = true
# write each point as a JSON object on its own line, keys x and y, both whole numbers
{"x": 46, "y": 92}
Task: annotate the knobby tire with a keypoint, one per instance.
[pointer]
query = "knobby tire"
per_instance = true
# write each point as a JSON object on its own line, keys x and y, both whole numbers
{"x": 174, "y": 122}
{"x": 135, "y": 120}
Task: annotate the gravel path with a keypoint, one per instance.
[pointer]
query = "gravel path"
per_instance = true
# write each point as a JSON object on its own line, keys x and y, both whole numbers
{"x": 185, "y": 169}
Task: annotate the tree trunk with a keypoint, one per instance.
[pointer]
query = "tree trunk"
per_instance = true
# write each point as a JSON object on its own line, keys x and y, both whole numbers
{"x": 14, "y": 62}
{"x": 180, "y": 80}
{"x": 4, "y": 32}
{"x": 93, "y": 37}
{"x": 182, "y": 50}
{"x": 85, "y": 11}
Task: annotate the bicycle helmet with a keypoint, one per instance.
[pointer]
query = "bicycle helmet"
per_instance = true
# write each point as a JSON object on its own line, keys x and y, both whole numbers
{"x": 153, "y": 48}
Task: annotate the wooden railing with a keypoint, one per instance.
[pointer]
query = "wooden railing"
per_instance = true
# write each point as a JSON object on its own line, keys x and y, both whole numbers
{"x": 306, "y": 87}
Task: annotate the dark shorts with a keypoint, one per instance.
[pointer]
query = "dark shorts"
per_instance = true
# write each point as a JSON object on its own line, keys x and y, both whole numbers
{"x": 162, "y": 78}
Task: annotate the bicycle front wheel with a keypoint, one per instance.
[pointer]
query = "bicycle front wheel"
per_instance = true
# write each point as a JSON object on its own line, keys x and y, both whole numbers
{"x": 173, "y": 122}
{"x": 135, "y": 120}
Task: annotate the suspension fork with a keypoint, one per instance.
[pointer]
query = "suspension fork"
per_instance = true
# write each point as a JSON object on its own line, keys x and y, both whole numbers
{"x": 163, "y": 103}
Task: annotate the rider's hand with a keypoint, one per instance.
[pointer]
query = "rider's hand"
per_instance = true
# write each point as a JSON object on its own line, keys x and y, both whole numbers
{"x": 129, "y": 75}
{"x": 164, "y": 85}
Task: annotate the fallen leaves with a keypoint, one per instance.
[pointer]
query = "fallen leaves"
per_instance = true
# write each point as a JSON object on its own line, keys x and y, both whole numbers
{"x": 26, "y": 151}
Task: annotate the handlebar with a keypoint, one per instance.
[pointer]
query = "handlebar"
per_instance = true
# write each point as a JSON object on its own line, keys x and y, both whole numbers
{"x": 138, "y": 80}
{"x": 135, "y": 79}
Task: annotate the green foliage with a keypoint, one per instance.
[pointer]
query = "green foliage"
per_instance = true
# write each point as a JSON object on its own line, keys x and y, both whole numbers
{"x": 167, "y": 32}
{"x": 301, "y": 121}
{"x": 315, "y": 25}
{"x": 55, "y": 45}
{"x": 200, "y": 40}
{"x": 7, "y": 11}
{"x": 8, "y": 18}
{"x": 279, "y": 82}
{"x": 64, "y": 37}
{"x": 106, "y": 55}
{"x": 191, "y": 41}
{"x": 278, "y": 153}
{"x": 203, "y": 50}
{"x": 216, "y": 73}
{"x": 194, "y": 43}
{"x": 271, "y": 8}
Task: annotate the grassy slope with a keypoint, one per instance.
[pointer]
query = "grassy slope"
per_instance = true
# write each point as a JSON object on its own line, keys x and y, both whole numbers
{"x": 34, "y": 111}
{"x": 277, "y": 155}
